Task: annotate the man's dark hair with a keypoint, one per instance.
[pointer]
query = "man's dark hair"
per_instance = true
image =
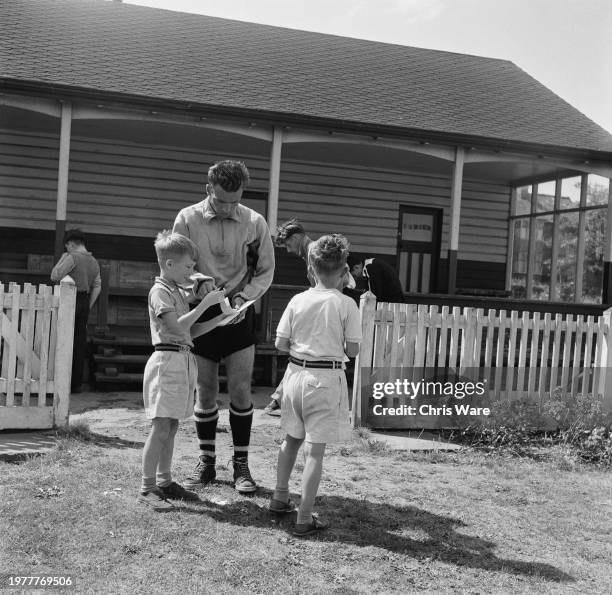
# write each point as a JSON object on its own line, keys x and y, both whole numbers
{"x": 230, "y": 175}
{"x": 74, "y": 235}
{"x": 352, "y": 260}
{"x": 286, "y": 230}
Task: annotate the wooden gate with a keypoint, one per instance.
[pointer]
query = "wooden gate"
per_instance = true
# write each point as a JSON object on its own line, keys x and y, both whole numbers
{"x": 518, "y": 356}
{"x": 37, "y": 327}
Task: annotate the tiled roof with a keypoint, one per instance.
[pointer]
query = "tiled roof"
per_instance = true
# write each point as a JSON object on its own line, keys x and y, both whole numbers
{"x": 120, "y": 48}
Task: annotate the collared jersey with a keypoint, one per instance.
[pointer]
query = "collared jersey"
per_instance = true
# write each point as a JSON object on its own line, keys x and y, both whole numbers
{"x": 165, "y": 296}
{"x": 318, "y": 322}
{"x": 226, "y": 246}
{"x": 81, "y": 266}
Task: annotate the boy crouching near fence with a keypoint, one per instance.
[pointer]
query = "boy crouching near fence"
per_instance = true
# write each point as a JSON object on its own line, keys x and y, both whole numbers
{"x": 319, "y": 328}
{"x": 170, "y": 374}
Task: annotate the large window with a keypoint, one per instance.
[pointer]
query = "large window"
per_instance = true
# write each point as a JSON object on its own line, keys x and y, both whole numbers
{"x": 557, "y": 232}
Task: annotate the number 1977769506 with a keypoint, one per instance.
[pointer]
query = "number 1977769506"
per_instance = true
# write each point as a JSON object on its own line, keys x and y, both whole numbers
{"x": 22, "y": 580}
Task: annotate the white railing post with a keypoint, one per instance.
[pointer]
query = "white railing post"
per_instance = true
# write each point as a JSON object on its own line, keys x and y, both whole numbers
{"x": 604, "y": 361}
{"x": 63, "y": 353}
{"x": 367, "y": 312}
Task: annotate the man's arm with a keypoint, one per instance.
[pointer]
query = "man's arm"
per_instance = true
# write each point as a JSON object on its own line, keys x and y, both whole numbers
{"x": 63, "y": 267}
{"x": 96, "y": 288}
{"x": 264, "y": 273}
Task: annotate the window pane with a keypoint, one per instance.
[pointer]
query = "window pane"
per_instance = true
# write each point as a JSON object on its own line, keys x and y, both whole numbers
{"x": 519, "y": 257}
{"x": 592, "y": 277}
{"x": 546, "y": 197}
{"x": 566, "y": 264}
{"x": 523, "y": 201}
{"x": 597, "y": 190}
{"x": 570, "y": 193}
{"x": 542, "y": 257}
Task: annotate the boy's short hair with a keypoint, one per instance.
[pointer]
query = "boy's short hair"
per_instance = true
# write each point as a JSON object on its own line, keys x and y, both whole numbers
{"x": 229, "y": 174}
{"x": 286, "y": 230}
{"x": 328, "y": 254}
{"x": 74, "y": 235}
{"x": 169, "y": 244}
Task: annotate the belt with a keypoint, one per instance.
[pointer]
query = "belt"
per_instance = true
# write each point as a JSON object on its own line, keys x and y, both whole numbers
{"x": 171, "y": 347}
{"x": 316, "y": 363}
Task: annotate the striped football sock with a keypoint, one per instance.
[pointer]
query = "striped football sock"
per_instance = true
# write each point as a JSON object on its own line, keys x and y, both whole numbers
{"x": 206, "y": 428}
{"x": 240, "y": 422}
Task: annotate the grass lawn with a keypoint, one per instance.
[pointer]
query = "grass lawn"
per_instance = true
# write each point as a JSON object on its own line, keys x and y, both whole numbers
{"x": 463, "y": 522}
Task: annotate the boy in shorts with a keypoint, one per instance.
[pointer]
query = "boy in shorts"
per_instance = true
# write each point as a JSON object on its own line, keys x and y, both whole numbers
{"x": 319, "y": 328}
{"x": 171, "y": 371}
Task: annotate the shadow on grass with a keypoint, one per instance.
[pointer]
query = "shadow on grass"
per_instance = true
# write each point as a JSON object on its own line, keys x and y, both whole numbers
{"x": 363, "y": 523}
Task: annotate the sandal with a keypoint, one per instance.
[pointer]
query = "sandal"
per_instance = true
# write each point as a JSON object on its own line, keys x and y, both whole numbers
{"x": 280, "y": 507}
{"x": 304, "y": 529}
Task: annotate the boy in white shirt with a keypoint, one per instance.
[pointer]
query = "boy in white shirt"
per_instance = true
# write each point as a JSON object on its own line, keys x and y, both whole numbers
{"x": 319, "y": 328}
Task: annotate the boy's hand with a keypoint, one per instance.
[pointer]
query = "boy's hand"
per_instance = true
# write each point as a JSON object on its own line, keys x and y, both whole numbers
{"x": 211, "y": 298}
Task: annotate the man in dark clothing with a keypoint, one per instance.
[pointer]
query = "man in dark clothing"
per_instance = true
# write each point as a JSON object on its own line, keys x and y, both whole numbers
{"x": 85, "y": 271}
{"x": 382, "y": 279}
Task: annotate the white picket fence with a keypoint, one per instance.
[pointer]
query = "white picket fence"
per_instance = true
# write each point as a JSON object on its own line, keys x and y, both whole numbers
{"x": 37, "y": 326}
{"x": 522, "y": 355}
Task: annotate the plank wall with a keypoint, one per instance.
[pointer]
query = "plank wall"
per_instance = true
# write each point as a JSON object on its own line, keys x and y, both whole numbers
{"x": 127, "y": 192}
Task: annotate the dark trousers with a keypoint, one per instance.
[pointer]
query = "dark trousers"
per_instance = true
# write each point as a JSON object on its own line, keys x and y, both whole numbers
{"x": 79, "y": 346}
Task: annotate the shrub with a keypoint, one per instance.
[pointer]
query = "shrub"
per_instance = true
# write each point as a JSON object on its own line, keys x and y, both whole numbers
{"x": 577, "y": 422}
{"x": 583, "y": 425}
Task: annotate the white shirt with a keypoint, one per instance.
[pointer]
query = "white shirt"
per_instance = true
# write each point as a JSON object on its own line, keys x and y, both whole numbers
{"x": 318, "y": 322}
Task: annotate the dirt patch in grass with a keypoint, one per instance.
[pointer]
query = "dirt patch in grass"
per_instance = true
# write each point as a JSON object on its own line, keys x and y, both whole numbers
{"x": 401, "y": 522}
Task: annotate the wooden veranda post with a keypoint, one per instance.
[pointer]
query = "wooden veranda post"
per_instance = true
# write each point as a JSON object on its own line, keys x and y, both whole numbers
{"x": 455, "y": 218}
{"x": 607, "y": 260}
{"x": 367, "y": 312}
{"x": 62, "y": 178}
{"x": 274, "y": 180}
{"x": 63, "y": 352}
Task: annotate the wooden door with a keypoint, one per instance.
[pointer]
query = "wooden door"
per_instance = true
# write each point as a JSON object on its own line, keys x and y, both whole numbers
{"x": 418, "y": 248}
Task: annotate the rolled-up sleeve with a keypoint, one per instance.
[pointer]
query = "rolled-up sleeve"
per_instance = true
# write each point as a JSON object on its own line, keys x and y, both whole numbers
{"x": 180, "y": 225}
{"x": 264, "y": 271}
{"x": 63, "y": 267}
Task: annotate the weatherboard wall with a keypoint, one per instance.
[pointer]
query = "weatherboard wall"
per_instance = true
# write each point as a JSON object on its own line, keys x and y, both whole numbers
{"x": 126, "y": 190}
